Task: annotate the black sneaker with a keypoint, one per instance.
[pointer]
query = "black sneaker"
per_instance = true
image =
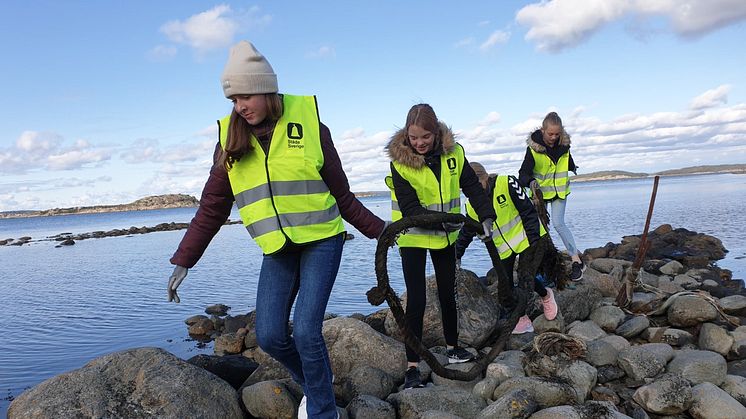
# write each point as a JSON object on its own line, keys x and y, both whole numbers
{"x": 458, "y": 355}
{"x": 412, "y": 378}
{"x": 577, "y": 271}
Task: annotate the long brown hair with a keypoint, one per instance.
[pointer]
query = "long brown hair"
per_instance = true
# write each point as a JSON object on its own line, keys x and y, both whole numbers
{"x": 238, "y": 142}
{"x": 424, "y": 117}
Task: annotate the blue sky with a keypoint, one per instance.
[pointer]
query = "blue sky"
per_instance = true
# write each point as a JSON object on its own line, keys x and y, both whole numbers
{"x": 105, "y": 102}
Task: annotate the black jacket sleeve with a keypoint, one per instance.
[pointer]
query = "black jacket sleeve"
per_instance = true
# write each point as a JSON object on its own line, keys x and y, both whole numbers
{"x": 571, "y": 164}
{"x": 473, "y": 190}
{"x": 525, "y": 208}
{"x": 526, "y": 172}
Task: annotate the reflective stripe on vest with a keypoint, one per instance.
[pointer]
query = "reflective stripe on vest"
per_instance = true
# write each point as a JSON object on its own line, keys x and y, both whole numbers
{"x": 507, "y": 231}
{"x": 443, "y": 196}
{"x": 281, "y": 195}
{"x": 553, "y": 178}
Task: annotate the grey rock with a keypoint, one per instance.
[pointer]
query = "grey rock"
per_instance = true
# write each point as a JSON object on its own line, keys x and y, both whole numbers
{"x": 673, "y": 267}
{"x": 413, "y": 403}
{"x": 633, "y": 327}
{"x": 647, "y": 278}
{"x": 689, "y": 310}
{"x": 541, "y": 324}
{"x": 710, "y": 402}
{"x": 735, "y": 386}
{"x": 667, "y": 285}
{"x": 714, "y": 338}
{"x": 641, "y": 300}
{"x": 467, "y": 385}
{"x": 586, "y": 330}
{"x": 506, "y": 365}
{"x": 515, "y": 404}
{"x": 699, "y": 366}
{"x": 645, "y": 361}
{"x": 577, "y": 304}
{"x": 437, "y": 414}
{"x": 601, "y": 352}
{"x": 546, "y": 392}
{"x": 606, "y": 265}
{"x": 368, "y": 407}
{"x": 485, "y": 388}
{"x": 581, "y": 376}
{"x": 140, "y": 382}
{"x": 671, "y": 336}
{"x": 686, "y": 282}
{"x": 670, "y": 394}
{"x": 734, "y": 304}
{"x": 608, "y": 317}
{"x": 270, "y": 399}
{"x": 364, "y": 380}
{"x": 618, "y": 342}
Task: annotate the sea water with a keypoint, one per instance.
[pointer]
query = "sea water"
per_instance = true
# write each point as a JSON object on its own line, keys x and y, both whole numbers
{"x": 60, "y": 307}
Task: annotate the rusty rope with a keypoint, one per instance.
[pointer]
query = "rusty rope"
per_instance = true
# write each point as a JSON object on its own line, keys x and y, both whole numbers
{"x": 383, "y": 292}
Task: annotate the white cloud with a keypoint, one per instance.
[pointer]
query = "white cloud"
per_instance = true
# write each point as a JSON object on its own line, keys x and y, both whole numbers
{"x": 37, "y": 151}
{"x": 559, "y": 24}
{"x": 213, "y": 29}
{"x": 711, "y": 98}
{"x": 466, "y": 42}
{"x": 322, "y": 52}
{"x": 497, "y": 37}
{"x": 162, "y": 52}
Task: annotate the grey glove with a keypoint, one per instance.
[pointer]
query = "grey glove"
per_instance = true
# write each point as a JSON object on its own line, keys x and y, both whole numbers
{"x": 451, "y": 227}
{"x": 536, "y": 189}
{"x": 174, "y": 281}
{"x": 386, "y": 225}
{"x": 487, "y": 226}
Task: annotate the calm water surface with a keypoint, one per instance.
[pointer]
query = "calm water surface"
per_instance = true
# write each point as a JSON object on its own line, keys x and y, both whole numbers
{"x": 62, "y": 307}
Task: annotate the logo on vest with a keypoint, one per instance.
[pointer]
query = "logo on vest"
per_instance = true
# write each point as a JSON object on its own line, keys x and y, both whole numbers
{"x": 295, "y": 134}
{"x": 451, "y": 163}
{"x": 501, "y": 200}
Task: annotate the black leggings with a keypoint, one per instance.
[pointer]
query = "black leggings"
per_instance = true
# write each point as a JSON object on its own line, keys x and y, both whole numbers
{"x": 413, "y": 261}
{"x": 529, "y": 262}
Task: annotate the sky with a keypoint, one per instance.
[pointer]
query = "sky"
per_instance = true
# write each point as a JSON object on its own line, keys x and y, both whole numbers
{"x": 106, "y": 102}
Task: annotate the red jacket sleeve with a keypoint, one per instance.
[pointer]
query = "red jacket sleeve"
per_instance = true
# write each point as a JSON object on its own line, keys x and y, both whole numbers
{"x": 352, "y": 210}
{"x": 214, "y": 209}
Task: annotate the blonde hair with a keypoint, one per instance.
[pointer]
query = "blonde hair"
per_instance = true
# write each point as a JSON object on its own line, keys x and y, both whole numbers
{"x": 553, "y": 118}
{"x": 238, "y": 142}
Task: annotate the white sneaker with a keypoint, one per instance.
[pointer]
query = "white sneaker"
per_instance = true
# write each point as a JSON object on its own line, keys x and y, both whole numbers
{"x": 302, "y": 413}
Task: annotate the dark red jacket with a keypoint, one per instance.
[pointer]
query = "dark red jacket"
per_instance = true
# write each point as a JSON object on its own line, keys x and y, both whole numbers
{"x": 217, "y": 201}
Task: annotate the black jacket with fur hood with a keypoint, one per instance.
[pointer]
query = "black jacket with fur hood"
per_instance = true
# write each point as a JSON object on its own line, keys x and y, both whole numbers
{"x": 400, "y": 151}
{"x": 535, "y": 142}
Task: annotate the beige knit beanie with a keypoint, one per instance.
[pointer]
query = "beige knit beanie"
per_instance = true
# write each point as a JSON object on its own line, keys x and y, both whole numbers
{"x": 479, "y": 170}
{"x": 247, "y": 72}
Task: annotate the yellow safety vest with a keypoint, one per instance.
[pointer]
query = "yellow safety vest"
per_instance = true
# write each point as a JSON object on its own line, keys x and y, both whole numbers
{"x": 443, "y": 196}
{"x": 507, "y": 231}
{"x": 553, "y": 178}
{"x": 280, "y": 195}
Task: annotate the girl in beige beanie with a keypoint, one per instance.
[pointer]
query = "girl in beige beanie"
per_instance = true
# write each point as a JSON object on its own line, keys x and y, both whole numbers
{"x": 277, "y": 162}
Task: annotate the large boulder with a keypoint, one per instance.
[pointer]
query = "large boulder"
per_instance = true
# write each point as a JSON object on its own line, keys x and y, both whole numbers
{"x": 477, "y": 317}
{"x": 135, "y": 383}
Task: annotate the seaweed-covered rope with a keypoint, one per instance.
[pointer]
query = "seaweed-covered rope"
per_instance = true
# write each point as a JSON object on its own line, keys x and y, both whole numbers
{"x": 383, "y": 291}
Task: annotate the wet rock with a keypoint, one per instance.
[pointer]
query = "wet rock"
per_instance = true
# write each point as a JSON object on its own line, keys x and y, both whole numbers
{"x": 711, "y": 402}
{"x": 606, "y": 265}
{"x": 699, "y": 366}
{"x": 670, "y": 394}
{"x": 217, "y": 309}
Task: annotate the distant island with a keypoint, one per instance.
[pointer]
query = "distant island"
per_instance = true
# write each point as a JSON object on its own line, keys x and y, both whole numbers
{"x": 147, "y": 203}
{"x": 183, "y": 200}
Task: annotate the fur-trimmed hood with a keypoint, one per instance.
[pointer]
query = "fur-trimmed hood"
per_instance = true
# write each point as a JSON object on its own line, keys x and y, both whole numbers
{"x": 536, "y": 141}
{"x": 399, "y": 150}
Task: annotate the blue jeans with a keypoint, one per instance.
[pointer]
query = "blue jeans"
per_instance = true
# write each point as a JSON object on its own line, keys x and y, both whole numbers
{"x": 558, "y": 220}
{"x": 307, "y": 271}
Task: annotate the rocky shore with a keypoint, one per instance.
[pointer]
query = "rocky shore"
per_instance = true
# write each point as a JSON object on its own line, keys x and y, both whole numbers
{"x": 677, "y": 351}
{"x": 147, "y": 203}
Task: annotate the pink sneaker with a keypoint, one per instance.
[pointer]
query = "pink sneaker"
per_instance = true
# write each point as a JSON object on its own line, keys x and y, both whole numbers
{"x": 549, "y": 305}
{"x": 524, "y": 326}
